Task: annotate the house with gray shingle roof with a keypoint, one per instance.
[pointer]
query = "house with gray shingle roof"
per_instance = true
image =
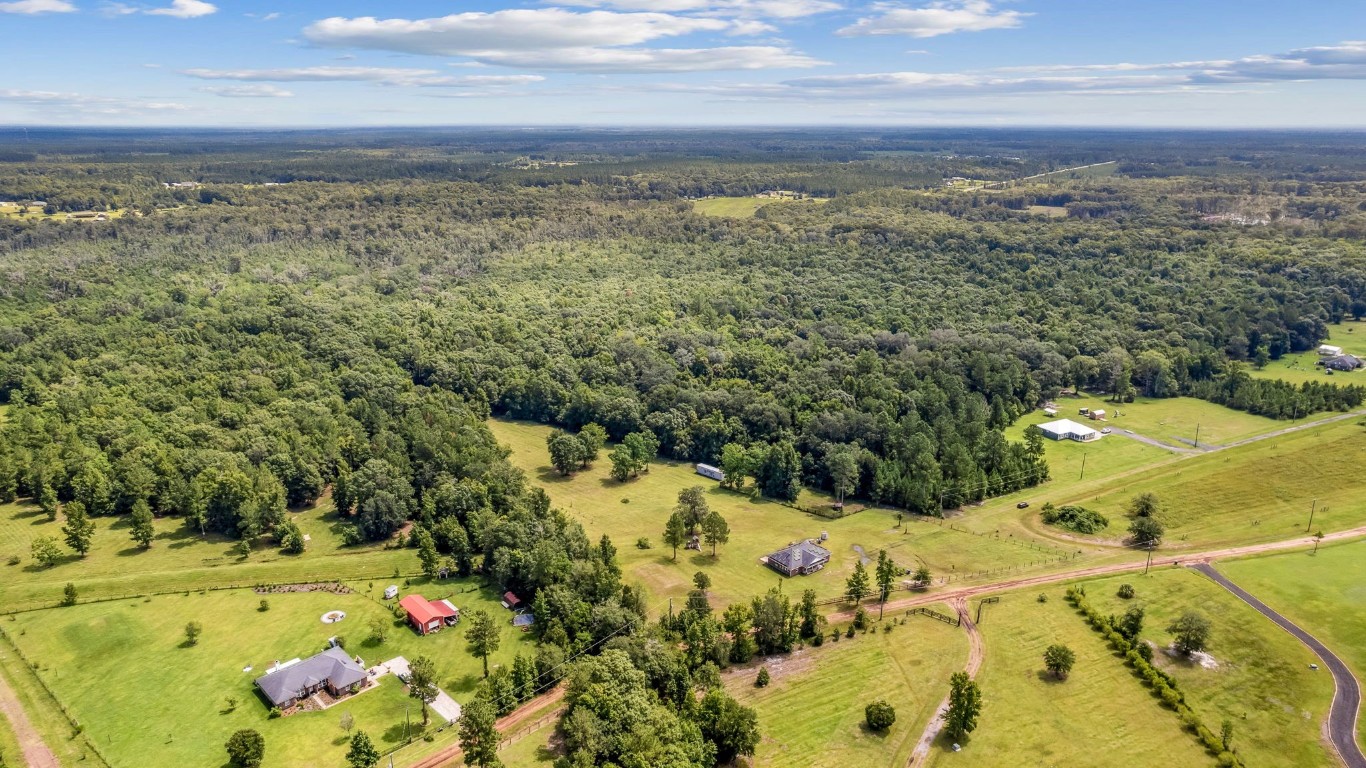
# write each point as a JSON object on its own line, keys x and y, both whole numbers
{"x": 1342, "y": 363}
{"x": 332, "y": 670}
{"x": 799, "y": 559}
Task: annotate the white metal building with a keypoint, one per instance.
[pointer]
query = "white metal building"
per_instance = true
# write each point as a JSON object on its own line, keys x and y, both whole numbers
{"x": 1066, "y": 429}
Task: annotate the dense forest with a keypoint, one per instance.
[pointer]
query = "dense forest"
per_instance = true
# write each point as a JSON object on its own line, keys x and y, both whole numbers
{"x": 275, "y": 317}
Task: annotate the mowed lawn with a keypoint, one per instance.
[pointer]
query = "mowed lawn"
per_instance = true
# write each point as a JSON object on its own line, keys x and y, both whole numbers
{"x": 744, "y": 207}
{"x": 1324, "y": 593}
{"x": 1263, "y": 683}
{"x": 178, "y": 558}
{"x": 1257, "y": 492}
{"x": 1171, "y": 420}
{"x": 640, "y": 507}
{"x": 1100, "y": 716}
{"x": 122, "y": 670}
{"x": 1299, "y": 368}
{"x": 811, "y": 714}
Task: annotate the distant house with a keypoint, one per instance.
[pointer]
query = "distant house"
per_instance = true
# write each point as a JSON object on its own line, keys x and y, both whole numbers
{"x": 1066, "y": 429}
{"x": 1343, "y": 363}
{"x": 511, "y": 601}
{"x": 333, "y": 670}
{"x": 1328, "y": 350}
{"x": 707, "y": 470}
{"x": 1097, "y": 415}
{"x": 799, "y": 559}
{"x": 428, "y": 616}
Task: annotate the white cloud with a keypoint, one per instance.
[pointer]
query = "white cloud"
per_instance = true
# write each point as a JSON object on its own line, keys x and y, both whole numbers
{"x": 769, "y": 9}
{"x": 428, "y": 78}
{"x": 938, "y": 18}
{"x": 247, "y": 91}
{"x": 78, "y": 104}
{"x": 33, "y": 7}
{"x": 554, "y": 38}
{"x": 185, "y": 9}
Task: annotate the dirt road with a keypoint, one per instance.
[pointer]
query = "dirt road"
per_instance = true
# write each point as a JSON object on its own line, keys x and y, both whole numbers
{"x": 508, "y": 724}
{"x": 1208, "y": 448}
{"x": 1342, "y": 715}
{"x": 976, "y": 653}
{"x": 36, "y": 753}
{"x": 966, "y": 592}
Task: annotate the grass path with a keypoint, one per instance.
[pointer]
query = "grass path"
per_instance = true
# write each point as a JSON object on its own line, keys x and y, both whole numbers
{"x": 976, "y": 655}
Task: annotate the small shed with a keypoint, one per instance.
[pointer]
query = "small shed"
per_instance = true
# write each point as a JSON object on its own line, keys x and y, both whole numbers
{"x": 1098, "y": 414}
{"x": 511, "y": 601}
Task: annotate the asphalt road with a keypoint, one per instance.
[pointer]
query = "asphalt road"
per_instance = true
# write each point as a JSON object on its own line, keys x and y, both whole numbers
{"x": 1342, "y": 717}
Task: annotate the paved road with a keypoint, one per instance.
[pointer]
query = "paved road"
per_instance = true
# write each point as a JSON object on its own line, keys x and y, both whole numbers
{"x": 1342, "y": 716}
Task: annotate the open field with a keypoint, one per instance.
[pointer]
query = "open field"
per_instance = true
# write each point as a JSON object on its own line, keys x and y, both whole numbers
{"x": 811, "y": 714}
{"x": 1263, "y": 682}
{"x": 1051, "y": 211}
{"x": 1171, "y": 420}
{"x": 107, "y": 660}
{"x": 52, "y": 726}
{"x": 178, "y": 559}
{"x": 1257, "y": 492}
{"x": 758, "y": 527}
{"x": 1100, "y": 716}
{"x": 745, "y": 207}
{"x": 35, "y": 213}
{"x": 9, "y": 744}
{"x": 1298, "y": 368}
{"x": 1324, "y": 593}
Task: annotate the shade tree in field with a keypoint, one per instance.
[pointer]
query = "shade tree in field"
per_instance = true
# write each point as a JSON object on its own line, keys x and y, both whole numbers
{"x": 1145, "y": 505}
{"x": 692, "y": 507}
{"x": 715, "y": 530}
{"x": 193, "y": 630}
{"x": 1146, "y": 531}
{"x": 886, "y": 576}
{"x": 965, "y": 704}
{"x": 246, "y": 748}
{"x": 362, "y": 753}
{"x": 78, "y": 529}
{"x": 856, "y": 587}
{"x": 1058, "y": 659}
{"x": 675, "y": 532}
{"x": 879, "y": 715}
{"x": 482, "y": 636}
{"x": 1190, "y": 632}
{"x": 45, "y": 551}
{"x": 140, "y": 526}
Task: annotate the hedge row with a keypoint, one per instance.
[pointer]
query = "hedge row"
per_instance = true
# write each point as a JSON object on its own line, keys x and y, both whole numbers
{"x": 1163, "y": 685}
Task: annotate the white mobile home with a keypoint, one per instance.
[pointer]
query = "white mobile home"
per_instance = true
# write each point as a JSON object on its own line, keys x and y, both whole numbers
{"x": 707, "y": 470}
{"x": 1328, "y": 350}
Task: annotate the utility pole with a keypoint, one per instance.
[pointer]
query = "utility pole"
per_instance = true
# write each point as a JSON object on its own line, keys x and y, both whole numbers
{"x": 1150, "y": 559}
{"x": 1309, "y": 527}
{"x": 1083, "y": 466}
{"x": 1197, "y": 435}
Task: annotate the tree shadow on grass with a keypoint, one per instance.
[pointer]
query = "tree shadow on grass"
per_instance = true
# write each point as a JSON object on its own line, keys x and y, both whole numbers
{"x": 552, "y": 475}
{"x": 136, "y": 549}
{"x": 466, "y": 683}
{"x": 872, "y": 734}
{"x": 1045, "y": 676}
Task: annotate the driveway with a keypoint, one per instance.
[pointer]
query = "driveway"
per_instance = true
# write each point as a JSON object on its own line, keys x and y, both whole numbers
{"x": 1342, "y": 716}
{"x": 445, "y": 707}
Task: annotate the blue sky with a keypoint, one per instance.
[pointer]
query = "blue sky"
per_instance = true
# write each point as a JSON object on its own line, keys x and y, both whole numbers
{"x": 1249, "y": 63}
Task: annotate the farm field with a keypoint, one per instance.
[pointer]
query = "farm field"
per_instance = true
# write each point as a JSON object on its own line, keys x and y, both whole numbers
{"x": 1263, "y": 682}
{"x": 178, "y": 558}
{"x": 758, "y": 527}
{"x": 1299, "y": 368}
{"x": 9, "y": 744}
{"x": 1100, "y": 716}
{"x": 98, "y": 660}
{"x": 744, "y": 207}
{"x": 811, "y": 714}
{"x": 43, "y": 714}
{"x": 1324, "y": 593}
{"x": 1251, "y": 493}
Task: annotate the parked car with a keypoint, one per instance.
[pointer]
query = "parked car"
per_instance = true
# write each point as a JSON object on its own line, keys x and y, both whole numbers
{"x": 1105, "y": 431}
{"x": 1022, "y": 505}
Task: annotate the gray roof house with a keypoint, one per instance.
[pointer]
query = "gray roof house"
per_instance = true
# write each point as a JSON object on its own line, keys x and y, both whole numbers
{"x": 799, "y": 559}
{"x": 1343, "y": 363}
{"x": 333, "y": 670}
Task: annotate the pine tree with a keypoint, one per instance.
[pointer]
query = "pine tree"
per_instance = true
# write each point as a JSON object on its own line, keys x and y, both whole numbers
{"x": 965, "y": 704}
{"x": 78, "y": 529}
{"x": 857, "y": 586}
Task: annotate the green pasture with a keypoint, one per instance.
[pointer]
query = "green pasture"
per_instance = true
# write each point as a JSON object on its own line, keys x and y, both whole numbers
{"x": 1324, "y": 593}
{"x": 744, "y": 207}
{"x": 639, "y": 508}
{"x": 811, "y": 714}
{"x": 107, "y": 660}
{"x": 1100, "y": 716}
{"x": 178, "y": 559}
{"x": 1170, "y": 420}
{"x": 1299, "y": 368}
{"x": 9, "y": 745}
{"x": 1263, "y": 682}
{"x": 1257, "y": 492}
{"x": 69, "y": 747}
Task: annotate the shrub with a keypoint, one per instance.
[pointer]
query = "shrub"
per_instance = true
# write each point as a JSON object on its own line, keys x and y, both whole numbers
{"x": 818, "y": 640}
{"x": 1126, "y": 591}
{"x": 1043, "y": 598}
{"x": 850, "y": 631}
{"x": 264, "y": 606}
{"x": 275, "y": 712}
{"x": 860, "y": 618}
{"x": 879, "y": 715}
{"x": 643, "y": 542}
{"x": 762, "y": 680}
{"x": 1079, "y": 519}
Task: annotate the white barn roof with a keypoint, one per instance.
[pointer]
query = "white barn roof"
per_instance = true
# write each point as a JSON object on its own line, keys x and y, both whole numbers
{"x": 1066, "y": 427}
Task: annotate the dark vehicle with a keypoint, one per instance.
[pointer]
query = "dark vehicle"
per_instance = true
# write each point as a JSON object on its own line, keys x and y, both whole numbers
{"x": 1022, "y": 505}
